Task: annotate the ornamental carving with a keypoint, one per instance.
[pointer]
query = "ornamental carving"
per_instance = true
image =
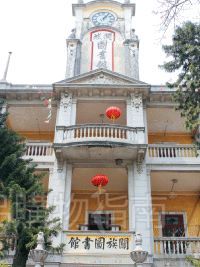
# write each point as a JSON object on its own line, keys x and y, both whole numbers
{"x": 66, "y": 101}
{"x": 104, "y": 79}
{"x": 140, "y": 161}
{"x": 136, "y": 101}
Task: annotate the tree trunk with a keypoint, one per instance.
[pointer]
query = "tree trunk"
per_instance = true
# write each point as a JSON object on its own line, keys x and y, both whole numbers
{"x": 21, "y": 254}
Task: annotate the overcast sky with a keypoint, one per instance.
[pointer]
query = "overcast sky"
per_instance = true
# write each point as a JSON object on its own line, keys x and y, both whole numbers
{"x": 35, "y": 31}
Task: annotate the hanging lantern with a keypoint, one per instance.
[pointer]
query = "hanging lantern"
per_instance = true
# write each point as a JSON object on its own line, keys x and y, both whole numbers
{"x": 99, "y": 181}
{"x": 113, "y": 113}
{"x": 46, "y": 102}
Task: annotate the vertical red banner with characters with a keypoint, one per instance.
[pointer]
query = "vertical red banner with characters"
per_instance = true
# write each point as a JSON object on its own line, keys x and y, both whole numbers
{"x": 102, "y": 51}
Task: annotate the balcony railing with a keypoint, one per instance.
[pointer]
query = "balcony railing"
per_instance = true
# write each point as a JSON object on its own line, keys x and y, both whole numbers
{"x": 39, "y": 149}
{"x": 172, "y": 151}
{"x": 161, "y": 153}
{"x": 39, "y": 152}
{"x": 176, "y": 245}
{"x": 101, "y": 132}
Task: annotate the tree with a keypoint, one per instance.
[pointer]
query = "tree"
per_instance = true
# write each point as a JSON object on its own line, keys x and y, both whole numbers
{"x": 185, "y": 54}
{"x": 193, "y": 261}
{"x": 22, "y": 186}
{"x": 170, "y": 11}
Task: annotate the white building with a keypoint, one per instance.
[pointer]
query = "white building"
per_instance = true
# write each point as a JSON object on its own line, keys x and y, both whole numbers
{"x": 148, "y": 156}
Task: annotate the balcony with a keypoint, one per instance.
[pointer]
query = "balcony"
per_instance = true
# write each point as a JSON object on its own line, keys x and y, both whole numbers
{"x": 176, "y": 246}
{"x": 97, "y": 141}
{"x": 40, "y": 153}
{"x": 172, "y": 154}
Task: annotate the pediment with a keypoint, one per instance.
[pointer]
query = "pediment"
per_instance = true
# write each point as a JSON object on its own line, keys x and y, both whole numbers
{"x": 99, "y": 77}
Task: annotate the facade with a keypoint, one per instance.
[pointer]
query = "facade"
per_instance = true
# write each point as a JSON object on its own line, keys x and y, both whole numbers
{"x": 148, "y": 156}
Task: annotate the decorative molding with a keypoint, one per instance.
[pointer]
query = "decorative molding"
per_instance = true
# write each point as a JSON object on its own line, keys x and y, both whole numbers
{"x": 102, "y": 79}
{"x": 136, "y": 101}
{"x": 140, "y": 160}
{"x": 66, "y": 101}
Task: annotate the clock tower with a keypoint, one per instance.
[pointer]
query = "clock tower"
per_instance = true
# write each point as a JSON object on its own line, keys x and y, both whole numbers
{"x": 103, "y": 38}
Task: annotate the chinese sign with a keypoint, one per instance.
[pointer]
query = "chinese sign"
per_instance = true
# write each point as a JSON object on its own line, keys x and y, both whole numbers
{"x": 102, "y": 49}
{"x": 99, "y": 243}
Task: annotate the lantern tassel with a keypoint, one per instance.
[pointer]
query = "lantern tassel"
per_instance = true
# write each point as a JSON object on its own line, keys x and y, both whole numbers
{"x": 113, "y": 118}
{"x": 100, "y": 189}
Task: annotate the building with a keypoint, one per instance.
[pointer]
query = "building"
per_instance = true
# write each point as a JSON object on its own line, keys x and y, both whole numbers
{"x": 148, "y": 156}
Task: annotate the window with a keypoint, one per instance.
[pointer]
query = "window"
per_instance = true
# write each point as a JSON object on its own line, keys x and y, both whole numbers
{"x": 99, "y": 221}
{"x": 172, "y": 225}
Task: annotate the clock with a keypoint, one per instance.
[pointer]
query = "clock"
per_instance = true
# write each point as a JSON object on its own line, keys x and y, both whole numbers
{"x": 103, "y": 18}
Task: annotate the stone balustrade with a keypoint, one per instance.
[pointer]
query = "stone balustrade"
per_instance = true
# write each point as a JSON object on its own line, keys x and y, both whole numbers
{"x": 171, "y": 151}
{"x": 176, "y": 246}
{"x": 39, "y": 149}
{"x": 102, "y": 132}
{"x": 165, "y": 154}
{"x": 39, "y": 152}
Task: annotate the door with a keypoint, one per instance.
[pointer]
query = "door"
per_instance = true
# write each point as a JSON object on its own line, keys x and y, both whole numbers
{"x": 99, "y": 221}
{"x": 172, "y": 225}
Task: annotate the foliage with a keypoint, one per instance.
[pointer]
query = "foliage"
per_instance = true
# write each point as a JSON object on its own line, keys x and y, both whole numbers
{"x": 193, "y": 261}
{"x": 185, "y": 54}
{"x": 4, "y": 265}
{"x": 23, "y": 187}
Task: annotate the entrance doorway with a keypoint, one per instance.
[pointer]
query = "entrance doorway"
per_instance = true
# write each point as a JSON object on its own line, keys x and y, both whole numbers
{"x": 172, "y": 225}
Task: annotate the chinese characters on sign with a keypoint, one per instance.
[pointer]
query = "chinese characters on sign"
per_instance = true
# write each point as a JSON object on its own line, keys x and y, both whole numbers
{"x": 102, "y": 49}
{"x": 98, "y": 243}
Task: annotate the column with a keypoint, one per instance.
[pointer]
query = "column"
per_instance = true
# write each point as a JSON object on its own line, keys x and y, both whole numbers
{"x": 145, "y": 123}
{"x": 132, "y": 55}
{"x": 65, "y": 108}
{"x": 73, "y": 112}
{"x": 79, "y": 21}
{"x": 56, "y": 198}
{"x": 73, "y": 57}
{"x": 63, "y": 116}
{"x": 127, "y": 21}
{"x": 67, "y": 197}
{"x": 135, "y": 115}
{"x": 140, "y": 204}
{"x": 131, "y": 201}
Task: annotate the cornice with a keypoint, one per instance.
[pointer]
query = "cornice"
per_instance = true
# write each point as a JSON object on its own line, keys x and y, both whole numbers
{"x": 123, "y": 5}
{"x": 25, "y": 91}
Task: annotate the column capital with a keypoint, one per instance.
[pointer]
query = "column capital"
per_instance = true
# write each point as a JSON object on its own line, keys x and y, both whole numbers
{"x": 136, "y": 100}
{"x": 66, "y": 101}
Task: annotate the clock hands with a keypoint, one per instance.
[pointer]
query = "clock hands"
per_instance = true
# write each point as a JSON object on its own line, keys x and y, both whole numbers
{"x": 105, "y": 16}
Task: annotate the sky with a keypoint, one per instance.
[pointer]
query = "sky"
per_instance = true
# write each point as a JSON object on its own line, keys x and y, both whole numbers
{"x": 35, "y": 32}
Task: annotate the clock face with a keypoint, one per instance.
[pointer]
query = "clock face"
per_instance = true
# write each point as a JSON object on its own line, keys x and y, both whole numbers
{"x": 103, "y": 18}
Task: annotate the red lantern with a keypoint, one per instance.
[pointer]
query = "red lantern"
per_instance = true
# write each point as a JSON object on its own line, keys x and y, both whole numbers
{"x": 99, "y": 180}
{"x": 113, "y": 113}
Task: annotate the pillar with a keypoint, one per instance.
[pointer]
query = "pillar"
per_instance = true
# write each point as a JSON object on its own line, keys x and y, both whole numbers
{"x": 65, "y": 109}
{"x": 140, "y": 204}
{"x": 59, "y": 197}
{"x": 67, "y": 197}
{"x": 131, "y": 198}
{"x": 66, "y": 115}
{"x": 73, "y": 57}
{"x": 135, "y": 115}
